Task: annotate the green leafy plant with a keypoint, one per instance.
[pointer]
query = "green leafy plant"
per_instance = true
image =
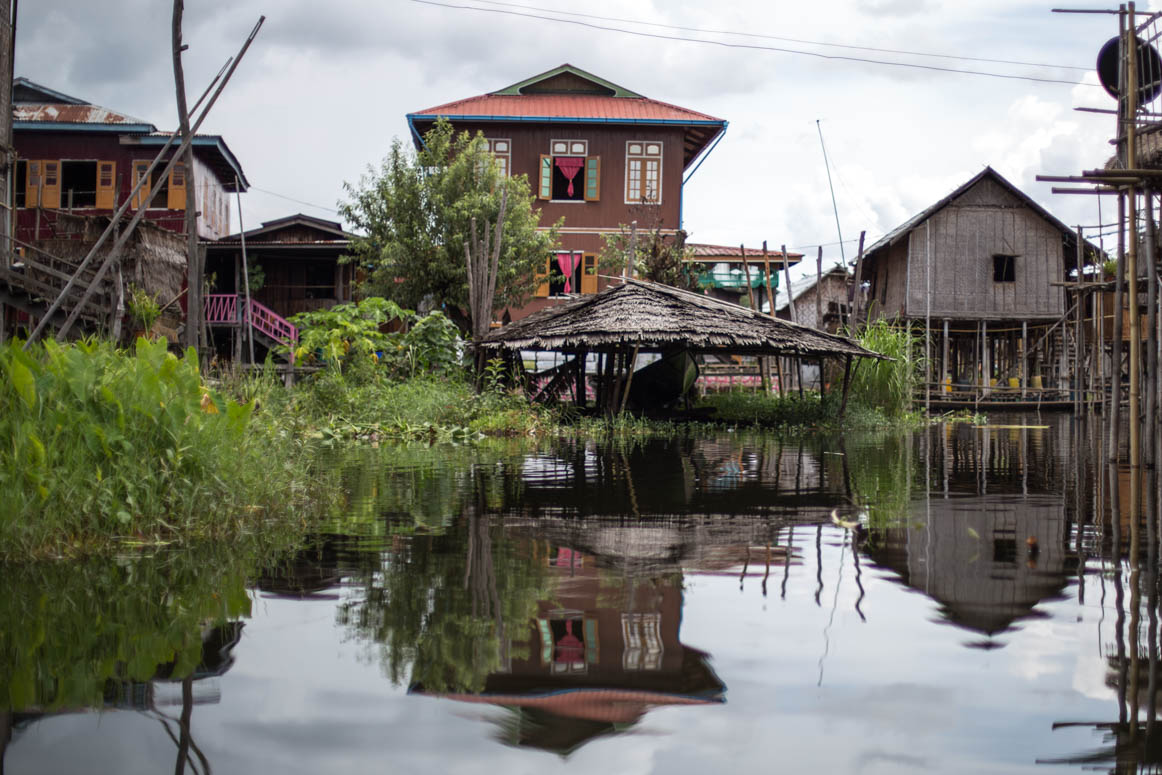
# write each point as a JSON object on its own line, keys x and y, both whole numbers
{"x": 143, "y": 307}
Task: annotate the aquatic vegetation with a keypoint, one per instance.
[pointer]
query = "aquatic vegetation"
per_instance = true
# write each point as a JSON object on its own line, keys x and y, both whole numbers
{"x": 887, "y": 386}
{"x": 104, "y": 445}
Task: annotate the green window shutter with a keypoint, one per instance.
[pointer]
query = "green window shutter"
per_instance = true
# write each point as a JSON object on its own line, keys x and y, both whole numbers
{"x": 592, "y": 178}
{"x": 546, "y": 186}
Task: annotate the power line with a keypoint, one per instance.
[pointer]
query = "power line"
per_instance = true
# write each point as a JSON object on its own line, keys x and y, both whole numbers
{"x": 785, "y": 39}
{"x": 756, "y": 47}
{"x": 297, "y": 201}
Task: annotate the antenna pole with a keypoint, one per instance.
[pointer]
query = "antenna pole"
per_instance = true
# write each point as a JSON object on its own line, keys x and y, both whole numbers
{"x": 827, "y": 166}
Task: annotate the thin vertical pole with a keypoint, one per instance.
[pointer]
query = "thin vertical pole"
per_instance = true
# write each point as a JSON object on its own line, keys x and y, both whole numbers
{"x": 246, "y": 274}
{"x": 928, "y": 315}
{"x": 771, "y": 306}
{"x": 855, "y": 299}
{"x": 1151, "y": 321}
{"x": 1118, "y": 334}
{"x": 1024, "y": 357}
{"x": 819, "y": 290}
{"x": 944, "y": 356}
{"x": 1132, "y": 254}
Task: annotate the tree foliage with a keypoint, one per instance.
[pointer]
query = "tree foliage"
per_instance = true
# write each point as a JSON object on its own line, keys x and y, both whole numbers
{"x": 414, "y": 213}
{"x": 659, "y": 257}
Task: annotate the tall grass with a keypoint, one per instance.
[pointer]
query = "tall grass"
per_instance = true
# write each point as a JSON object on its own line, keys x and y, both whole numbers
{"x": 887, "y": 385}
{"x": 101, "y": 443}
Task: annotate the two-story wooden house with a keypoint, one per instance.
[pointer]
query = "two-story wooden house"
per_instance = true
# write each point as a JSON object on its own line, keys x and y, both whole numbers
{"x": 85, "y": 159}
{"x": 596, "y": 154}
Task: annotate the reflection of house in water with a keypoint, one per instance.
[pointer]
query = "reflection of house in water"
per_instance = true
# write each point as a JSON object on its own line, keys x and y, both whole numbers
{"x": 604, "y": 650}
{"x": 975, "y": 556}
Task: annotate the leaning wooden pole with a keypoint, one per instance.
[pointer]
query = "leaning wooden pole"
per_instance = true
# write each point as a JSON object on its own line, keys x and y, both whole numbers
{"x": 855, "y": 299}
{"x": 245, "y": 269}
{"x": 771, "y": 307}
{"x": 220, "y": 81}
{"x": 1151, "y": 322}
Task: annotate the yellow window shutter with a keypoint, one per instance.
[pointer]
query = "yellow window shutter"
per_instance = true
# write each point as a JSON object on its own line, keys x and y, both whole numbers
{"x": 32, "y": 184}
{"x": 106, "y": 177}
{"x": 139, "y": 170}
{"x": 589, "y": 273}
{"x": 51, "y": 195}
{"x": 176, "y": 198}
{"x": 592, "y": 178}
{"x": 545, "y": 189}
{"x": 543, "y": 281}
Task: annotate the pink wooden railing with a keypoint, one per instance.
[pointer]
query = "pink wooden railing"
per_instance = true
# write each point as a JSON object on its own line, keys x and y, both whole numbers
{"x": 224, "y": 308}
{"x": 272, "y": 324}
{"x": 221, "y": 308}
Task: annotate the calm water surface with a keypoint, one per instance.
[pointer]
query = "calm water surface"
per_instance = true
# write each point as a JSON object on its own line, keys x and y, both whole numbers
{"x": 960, "y": 599}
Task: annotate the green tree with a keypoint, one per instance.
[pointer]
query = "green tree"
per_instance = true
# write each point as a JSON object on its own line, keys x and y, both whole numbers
{"x": 659, "y": 257}
{"x": 415, "y": 215}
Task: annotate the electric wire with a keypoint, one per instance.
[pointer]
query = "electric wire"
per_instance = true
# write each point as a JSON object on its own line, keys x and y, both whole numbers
{"x": 292, "y": 199}
{"x": 785, "y": 39}
{"x": 756, "y": 47}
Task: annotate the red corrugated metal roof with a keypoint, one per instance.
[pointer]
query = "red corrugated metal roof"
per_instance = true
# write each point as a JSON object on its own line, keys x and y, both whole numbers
{"x": 62, "y": 113}
{"x": 582, "y": 106}
{"x": 734, "y": 251}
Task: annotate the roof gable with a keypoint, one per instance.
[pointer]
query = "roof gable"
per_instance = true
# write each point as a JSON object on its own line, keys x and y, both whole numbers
{"x": 297, "y": 228}
{"x": 24, "y": 90}
{"x": 567, "y": 79}
{"x": 965, "y": 194}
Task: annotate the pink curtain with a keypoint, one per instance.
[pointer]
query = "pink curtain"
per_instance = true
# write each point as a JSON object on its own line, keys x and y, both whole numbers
{"x": 568, "y": 262}
{"x": 569, "y": 167}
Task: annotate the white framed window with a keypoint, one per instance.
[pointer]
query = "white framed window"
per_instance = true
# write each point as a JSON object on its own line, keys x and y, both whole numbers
{"x": 501, "y": 149}
{"x": 643, "y": 172}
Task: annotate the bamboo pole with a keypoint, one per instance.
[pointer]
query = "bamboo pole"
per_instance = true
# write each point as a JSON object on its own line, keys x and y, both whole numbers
{"x": 1151, "y": 322}
{"x": 629, "y": 378}
{"x": 245, "y": 273}
{"x": 764, "y": 378}
{"x": 1116, "y": 345}
{"x": 791, "y": 313}
{"x": 944, "y": 357}
{"x": 771, "y": 306}
{"x": 1132, "y": 255}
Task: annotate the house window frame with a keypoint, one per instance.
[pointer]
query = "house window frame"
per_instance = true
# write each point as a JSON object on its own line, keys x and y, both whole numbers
{"x": 639, "y": 152}
{"x": 571, "y": 147}
{"x": 503, "y": 156}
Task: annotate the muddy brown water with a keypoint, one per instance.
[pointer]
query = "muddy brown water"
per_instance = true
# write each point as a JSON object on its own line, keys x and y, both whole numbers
{"x": 958, "y": 599}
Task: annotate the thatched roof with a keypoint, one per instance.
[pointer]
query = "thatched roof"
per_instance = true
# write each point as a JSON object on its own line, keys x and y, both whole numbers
{"x": 657, "y": 317}
{"x": 1148, "y": 150}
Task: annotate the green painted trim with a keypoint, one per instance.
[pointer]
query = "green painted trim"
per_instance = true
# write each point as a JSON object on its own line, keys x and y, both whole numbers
{"x": 618, "y": 91}
{"x": 546, "y": 177}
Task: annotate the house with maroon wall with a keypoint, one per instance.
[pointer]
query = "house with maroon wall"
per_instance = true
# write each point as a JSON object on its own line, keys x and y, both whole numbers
{"x": 596, "y": 154}
{"x": 84, "y": 159}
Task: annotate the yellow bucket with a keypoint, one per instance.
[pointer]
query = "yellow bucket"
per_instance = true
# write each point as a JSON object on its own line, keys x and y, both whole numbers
{"x": 1037, "y": 382}
{"x": 1014, "y": 382}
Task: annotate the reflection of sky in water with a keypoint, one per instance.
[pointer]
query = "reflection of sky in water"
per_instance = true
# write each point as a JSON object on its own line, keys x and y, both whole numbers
{"x": 810, "y": 686}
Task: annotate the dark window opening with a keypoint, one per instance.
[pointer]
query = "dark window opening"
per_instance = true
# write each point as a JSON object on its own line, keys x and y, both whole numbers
{"x": 1004, "y": 268}
{"x": 159, "y": 187}
{"x": 79, "y": 183}
{"x": 557, "y": 276}
{"x": 561, "y": 180}
{"x": 21, "y": 181}
{"x": 1004, "y": 550}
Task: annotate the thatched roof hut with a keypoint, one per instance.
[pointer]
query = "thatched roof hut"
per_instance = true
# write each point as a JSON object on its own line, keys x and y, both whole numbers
{"x": 660, "y": 317}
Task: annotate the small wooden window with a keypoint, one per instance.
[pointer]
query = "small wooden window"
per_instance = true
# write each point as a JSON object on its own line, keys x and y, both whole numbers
{"x": 589, "y": 273}
{"x": 643, "y": 172}
{"x": 501, "y": 150}
{"x": 593, "y": 179}
{"x": 142, "y": 198}
{"x": 106, "y": 177}
{"x": 1004, "y": 268}
{"x": 51, "y": 195}
{"x": 32, "y": 183}
{"x": 545, "y": 187}
{"x": 176, "y": 196}
{"x": 543, "y": 281}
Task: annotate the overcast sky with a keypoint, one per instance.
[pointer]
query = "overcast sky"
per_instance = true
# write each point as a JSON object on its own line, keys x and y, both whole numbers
{"x": 325, "y": 88}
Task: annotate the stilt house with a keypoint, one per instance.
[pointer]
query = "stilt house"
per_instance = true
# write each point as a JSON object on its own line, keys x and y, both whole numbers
{"x": 981, "y": 274}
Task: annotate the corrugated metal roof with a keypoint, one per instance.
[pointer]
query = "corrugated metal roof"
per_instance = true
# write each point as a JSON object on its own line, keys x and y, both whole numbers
{"x": 727, "y": 252}
{"x": 62, "y": 113}
{"x": 579, "y": 106}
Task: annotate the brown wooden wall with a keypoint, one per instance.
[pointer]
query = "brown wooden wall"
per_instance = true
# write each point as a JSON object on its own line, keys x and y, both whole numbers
{"x": 608, "y": 142}
{"x": 964, "y": 235}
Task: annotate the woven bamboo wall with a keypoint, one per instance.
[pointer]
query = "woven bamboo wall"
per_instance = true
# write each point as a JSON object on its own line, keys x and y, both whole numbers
{"x": 985, "y": 220}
